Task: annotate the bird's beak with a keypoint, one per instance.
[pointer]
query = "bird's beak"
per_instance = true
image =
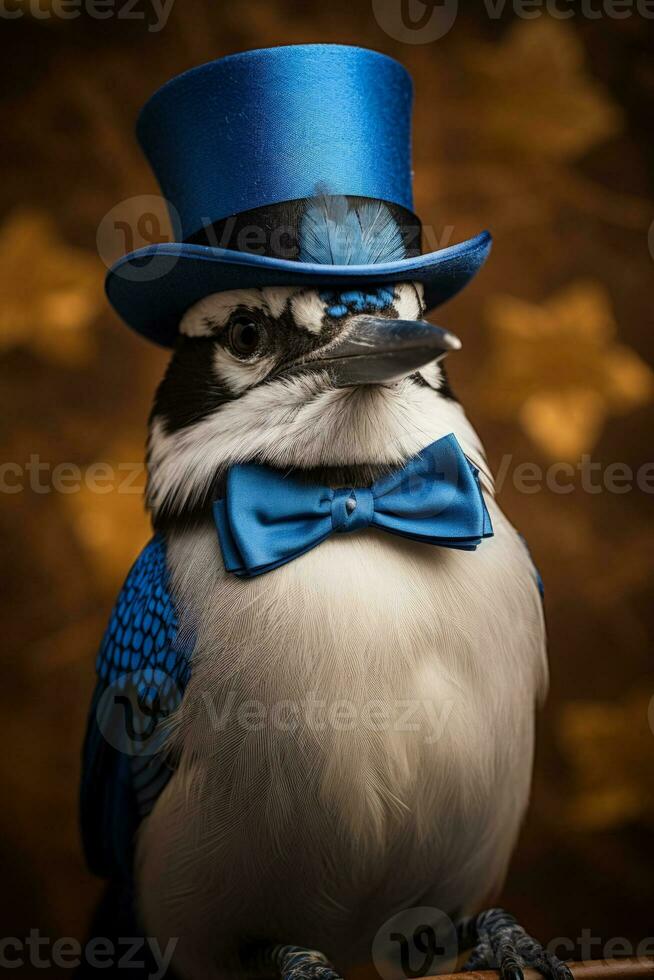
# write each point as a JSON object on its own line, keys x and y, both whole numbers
{"x": 378, "y": 350}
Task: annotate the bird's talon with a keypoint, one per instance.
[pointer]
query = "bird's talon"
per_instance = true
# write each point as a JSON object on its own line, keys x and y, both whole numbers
{"x": 299, "y": 963}
{"x": 502, "y": 944}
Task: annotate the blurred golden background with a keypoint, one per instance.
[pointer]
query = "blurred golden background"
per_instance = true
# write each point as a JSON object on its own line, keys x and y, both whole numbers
{"x": 538, "y": 128}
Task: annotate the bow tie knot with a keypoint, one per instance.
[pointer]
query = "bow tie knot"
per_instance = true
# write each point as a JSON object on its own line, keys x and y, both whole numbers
{"x": 268, "y": 518}
{"x": 352, "y": 509}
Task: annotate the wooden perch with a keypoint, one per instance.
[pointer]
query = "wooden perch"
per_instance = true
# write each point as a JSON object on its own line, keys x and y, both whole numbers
{"x": 632, "y": 968}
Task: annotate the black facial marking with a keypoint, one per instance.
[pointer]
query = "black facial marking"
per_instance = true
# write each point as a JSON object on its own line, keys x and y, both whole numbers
{"x": 444, "y": 388}
{"x": 189, "y": 390}
{"x": 291, "y": 342}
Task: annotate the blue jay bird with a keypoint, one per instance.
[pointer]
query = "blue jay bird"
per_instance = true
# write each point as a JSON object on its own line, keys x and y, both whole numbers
{"x": 316, "y": 693}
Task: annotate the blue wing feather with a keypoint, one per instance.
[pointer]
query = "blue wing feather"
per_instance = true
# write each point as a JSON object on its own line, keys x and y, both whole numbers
{"x": 143, "y": 667}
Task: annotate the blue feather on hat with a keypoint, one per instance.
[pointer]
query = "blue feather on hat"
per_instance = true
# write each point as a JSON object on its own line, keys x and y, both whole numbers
{"x": 336, "y": 232}
{"x": 333, "y": 232}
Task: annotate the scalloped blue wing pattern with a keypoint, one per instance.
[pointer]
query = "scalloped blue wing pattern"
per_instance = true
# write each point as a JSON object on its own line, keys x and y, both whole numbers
{"x": 143, "y": 667}
{"x": 142, "y": 631}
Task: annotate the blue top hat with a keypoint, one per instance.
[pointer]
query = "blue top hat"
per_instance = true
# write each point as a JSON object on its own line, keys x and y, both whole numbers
{"x": 243, "y": 146}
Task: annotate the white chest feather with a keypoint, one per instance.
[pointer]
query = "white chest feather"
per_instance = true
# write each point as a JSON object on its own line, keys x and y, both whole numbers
{"x": 356, "y": 738}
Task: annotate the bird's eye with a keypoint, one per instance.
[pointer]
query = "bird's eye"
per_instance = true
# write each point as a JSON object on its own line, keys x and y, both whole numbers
{"x": 244, "y": 335}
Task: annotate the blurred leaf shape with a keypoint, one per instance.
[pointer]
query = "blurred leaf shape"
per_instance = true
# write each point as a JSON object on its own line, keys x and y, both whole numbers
{"x": 563, "y": 423}
{"x": 534, "y": 94}
{"x": 558, "y": 368}
{"x": 610, "y": 748}
{"x": 51, "y": 291}
{"x": 108, "y": 516}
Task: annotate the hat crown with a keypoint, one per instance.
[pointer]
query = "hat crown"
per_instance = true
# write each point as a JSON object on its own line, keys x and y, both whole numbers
{"x": 280, "y": 124}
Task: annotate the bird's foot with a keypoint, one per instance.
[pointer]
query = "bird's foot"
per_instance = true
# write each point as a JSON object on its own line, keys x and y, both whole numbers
{"x": 298, "y": 963}
{"x": 501, "y": 944}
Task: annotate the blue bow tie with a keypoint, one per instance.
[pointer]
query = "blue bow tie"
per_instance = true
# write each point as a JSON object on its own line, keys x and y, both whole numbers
{"x": 268, "y": 518}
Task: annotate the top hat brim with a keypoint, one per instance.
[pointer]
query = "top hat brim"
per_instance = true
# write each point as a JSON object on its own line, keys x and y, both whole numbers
{"x": 153, "y": 287}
